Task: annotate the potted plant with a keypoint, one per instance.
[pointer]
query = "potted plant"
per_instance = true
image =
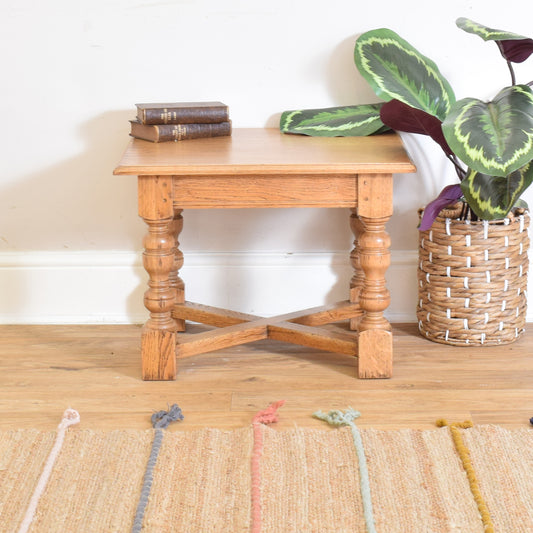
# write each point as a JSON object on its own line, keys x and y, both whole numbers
{"x": 490, "y": 146}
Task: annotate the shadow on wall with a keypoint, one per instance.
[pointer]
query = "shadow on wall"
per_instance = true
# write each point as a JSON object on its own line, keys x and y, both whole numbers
{"x": 345, "y": 85}
{"x": 75, "y": 205}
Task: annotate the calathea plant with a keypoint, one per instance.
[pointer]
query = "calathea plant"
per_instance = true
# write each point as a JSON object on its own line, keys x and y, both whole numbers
{"x": 490, "y": 144}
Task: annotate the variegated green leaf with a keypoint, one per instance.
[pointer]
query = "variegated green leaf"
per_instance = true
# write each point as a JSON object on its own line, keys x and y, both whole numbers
{"x": 494, "y": 138}
{"x": 487, "y": 34}
{"x": 396, "y": 70}
{"x": 346, "y": 121}
{"x": 492, "y": 197}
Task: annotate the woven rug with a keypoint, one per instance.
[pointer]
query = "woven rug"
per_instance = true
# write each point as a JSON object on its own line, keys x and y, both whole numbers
{"x": 260, "y": 479}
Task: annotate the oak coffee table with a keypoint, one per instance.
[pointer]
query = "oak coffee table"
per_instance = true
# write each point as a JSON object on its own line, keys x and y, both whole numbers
{"x": 264, "y": 168}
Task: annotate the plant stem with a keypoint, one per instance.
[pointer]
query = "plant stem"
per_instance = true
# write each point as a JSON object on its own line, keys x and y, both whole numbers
{"x": 464, "y": 211}
{"x": 458, "y": 169}
{"x": 511, "y": 70}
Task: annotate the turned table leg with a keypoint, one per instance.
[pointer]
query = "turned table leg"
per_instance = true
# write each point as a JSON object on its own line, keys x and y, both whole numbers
{"x": 375, "y": 336}
{"x": 358, "y": 277}
{"x": 175, "y": 281}
{"x": 158, "y": 342}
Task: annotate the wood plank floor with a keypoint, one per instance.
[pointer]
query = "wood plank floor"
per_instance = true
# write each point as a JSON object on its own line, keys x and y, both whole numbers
{"x": 96, "y": 370}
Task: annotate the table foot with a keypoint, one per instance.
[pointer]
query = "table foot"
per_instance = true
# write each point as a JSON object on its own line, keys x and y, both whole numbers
{"x": 375, "y": 354}
{"x": 158, "y": 350}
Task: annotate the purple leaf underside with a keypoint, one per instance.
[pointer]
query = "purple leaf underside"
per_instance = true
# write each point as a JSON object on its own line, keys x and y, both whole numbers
{"x": 517, "y": 50}
{"x": 448, "y": 195}
{"x": 403, "y": 117}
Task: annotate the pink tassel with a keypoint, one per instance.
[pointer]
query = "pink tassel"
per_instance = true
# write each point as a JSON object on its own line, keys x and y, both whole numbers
{"x": 70, "y": 417}
{"x": 267, "y": 416}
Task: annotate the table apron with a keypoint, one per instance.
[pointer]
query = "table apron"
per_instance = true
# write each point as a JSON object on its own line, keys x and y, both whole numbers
{"x": 201, "y": 192}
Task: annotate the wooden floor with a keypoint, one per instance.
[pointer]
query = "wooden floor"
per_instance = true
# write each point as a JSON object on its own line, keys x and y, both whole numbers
{"x": 96, "y": 370}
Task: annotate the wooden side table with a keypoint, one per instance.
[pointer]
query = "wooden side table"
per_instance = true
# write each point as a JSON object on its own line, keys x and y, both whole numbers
{"x": 265, "y": 168}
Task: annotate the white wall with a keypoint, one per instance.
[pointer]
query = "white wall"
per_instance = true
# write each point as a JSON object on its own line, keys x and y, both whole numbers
{"x": 72, "y": 71}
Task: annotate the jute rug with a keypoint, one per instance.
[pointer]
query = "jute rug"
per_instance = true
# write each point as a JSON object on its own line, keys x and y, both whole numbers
{"x": 259, "y": 479}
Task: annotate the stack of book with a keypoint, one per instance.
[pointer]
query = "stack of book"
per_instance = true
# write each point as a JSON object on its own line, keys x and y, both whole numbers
{"x": 180, "y": 121}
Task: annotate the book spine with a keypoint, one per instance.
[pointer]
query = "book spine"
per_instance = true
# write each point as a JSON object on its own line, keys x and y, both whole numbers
{"x": 180, "y": 132}
{"x": 185, "y": 115}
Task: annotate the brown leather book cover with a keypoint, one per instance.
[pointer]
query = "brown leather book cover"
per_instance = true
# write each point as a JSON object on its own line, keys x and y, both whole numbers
{"x": 178, "y": 132}
{"x": 183, "y": 113}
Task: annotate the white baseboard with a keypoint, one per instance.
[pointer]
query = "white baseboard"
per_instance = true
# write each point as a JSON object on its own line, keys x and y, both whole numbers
{"x": 107, "y": 287}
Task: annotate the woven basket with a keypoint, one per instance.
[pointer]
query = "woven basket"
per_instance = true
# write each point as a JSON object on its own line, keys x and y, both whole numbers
{"x": 472, "y": 279}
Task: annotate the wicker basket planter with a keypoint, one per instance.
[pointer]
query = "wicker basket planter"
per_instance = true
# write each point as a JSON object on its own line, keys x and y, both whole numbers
{"x": 472, "y": 280}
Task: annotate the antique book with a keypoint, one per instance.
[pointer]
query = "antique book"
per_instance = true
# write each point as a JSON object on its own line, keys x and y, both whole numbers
{"x": 183, "y": 113}
{"x": 178, "y": 132}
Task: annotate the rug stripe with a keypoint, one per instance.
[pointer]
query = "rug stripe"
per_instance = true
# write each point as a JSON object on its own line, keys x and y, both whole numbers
{"x": 70, "y": 417}
{"x": 160, "y": 420}
{"x": 147, "y": 482}
{"x": 338, "y": 418}
{"x": 464, "y": 454}
{"x": 267, "y": 416}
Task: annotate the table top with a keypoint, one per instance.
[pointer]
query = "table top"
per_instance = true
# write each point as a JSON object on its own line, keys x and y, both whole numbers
{"x": 267, "y": 151}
